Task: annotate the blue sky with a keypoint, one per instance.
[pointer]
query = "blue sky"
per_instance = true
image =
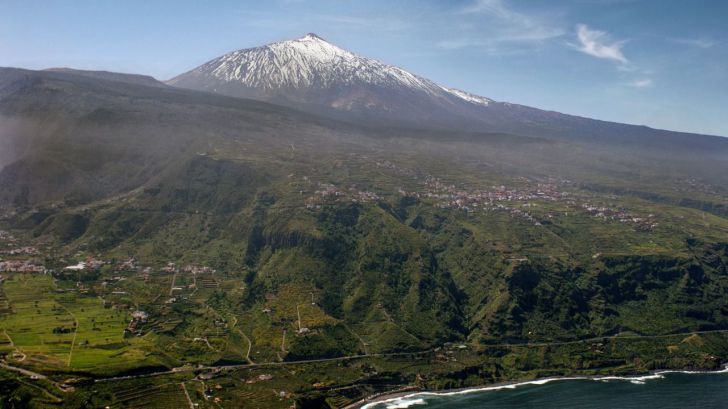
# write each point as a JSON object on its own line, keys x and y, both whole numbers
{"x": 662, "y": 63}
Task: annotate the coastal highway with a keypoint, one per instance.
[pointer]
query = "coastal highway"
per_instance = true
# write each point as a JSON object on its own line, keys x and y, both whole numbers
{"x": 30, "y": 374}
{"x": 394, "y": 354}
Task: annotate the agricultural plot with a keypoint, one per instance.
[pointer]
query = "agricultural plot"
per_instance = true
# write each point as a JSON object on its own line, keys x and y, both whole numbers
{"x": 40, "y": 327}
{"x": 4, "y": 303}
{"x": 100, "y": 339}
{"x": 292, "y": 311}
{"x": 255, "y": 389}
{"x": 6, "y": 344}
{"x": 383, "y": 335}
{"x": 208, "y": 283}
{"x": 295, "y": 302}
{"x": 65, "y": 330}
{"x": 161, "y": 326}
{"x": 165, "y": 396}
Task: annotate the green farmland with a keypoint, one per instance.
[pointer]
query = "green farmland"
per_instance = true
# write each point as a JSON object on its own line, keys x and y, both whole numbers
{"x": 66, "y": 331}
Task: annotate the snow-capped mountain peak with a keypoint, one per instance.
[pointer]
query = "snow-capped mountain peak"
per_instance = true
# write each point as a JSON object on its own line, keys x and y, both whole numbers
{"x": 311, "y": 62}
{"x": 313, "y": 74}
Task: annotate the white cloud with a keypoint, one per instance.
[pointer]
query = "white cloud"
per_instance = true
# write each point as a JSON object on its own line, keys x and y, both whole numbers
{"x": 494, "y": 7}
{"x": 696, "y": 42}
{"x": 307, "y": 21}
{"x": 384, "y": 23}
{"x": 497, "y": 23}
{"x": 643, "y": 83}
{"x": 597, "y": 44}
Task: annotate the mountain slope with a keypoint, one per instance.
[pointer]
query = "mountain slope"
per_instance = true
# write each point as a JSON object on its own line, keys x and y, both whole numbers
{"x": 72, "y": 135}
{"x": 312, "y": 74}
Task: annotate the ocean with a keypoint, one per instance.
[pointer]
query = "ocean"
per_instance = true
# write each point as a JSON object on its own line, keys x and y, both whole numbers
{"x": 666, "y": 390}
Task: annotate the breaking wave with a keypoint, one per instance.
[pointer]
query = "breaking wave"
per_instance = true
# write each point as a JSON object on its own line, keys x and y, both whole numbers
{"x": 416, "y": 398}
{"x": 402, "y": 403}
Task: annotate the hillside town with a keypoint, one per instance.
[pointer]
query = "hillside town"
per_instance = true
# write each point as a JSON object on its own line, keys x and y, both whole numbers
{"x": 518, "y": 201}
{"x": 328, "y": 193}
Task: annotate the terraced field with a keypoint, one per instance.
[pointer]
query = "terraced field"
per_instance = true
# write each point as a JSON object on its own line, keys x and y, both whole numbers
{"x": 164, "y": 396}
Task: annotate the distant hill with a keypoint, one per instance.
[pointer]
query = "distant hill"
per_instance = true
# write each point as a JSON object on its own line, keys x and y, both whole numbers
{"x": 113, "y": 76}
{"x": 78, "y": 135}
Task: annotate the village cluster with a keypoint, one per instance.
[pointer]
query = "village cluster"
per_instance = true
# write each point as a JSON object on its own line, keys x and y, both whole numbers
{"x": 385, "y": 164}
{"x": 620, "y": 215}
{"x": 9, "y": 247}
{"x": 22, "y": 266}
{"x": 327, "y": 192}
{"x": 448, "y": 196}
{"x": 517, "y": 201}
{"x": 7, "y": 237}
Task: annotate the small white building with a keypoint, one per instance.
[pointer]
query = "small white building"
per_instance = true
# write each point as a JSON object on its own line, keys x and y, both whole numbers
{"x": 77, "y": 267}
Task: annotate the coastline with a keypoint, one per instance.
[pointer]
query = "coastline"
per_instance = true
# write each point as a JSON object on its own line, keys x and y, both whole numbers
{"x": 416, "y": 395}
